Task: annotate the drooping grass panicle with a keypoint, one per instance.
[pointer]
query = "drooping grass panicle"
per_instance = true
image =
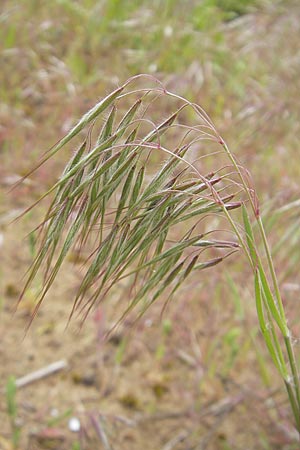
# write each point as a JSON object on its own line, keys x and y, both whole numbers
{"x": 133, "y": 203}
{"x": 107, "y": 180}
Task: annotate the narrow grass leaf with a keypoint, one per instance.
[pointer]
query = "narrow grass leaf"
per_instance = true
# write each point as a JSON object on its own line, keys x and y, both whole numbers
{"x": 265, "y": 329}
{"x": 270, "y": 299}
{"x": 11, "y": 390}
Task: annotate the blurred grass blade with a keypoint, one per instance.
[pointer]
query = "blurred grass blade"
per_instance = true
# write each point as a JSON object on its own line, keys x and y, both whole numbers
{"x": 11, "y": 390}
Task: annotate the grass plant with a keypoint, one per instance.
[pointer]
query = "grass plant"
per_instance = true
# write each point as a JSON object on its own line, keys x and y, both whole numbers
{"x": 12, "y": 410}
{"x": 136, "y": 205}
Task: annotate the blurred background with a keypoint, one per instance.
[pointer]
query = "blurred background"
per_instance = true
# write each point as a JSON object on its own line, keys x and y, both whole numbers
{"x": 199, "y": 377}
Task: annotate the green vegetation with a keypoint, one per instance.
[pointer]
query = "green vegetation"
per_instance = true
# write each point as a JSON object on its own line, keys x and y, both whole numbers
{"x": 12, "y": 410}
{"x": 106, "y": 187}
{"x": 144, "y": 206}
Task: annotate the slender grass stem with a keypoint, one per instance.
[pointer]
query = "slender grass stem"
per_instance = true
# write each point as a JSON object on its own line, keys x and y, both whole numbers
{"x": 294, "y": 368}
{"x": 293, "y": 403}
{"x": 295, "y": 388}
{"x": 271, "y": 267}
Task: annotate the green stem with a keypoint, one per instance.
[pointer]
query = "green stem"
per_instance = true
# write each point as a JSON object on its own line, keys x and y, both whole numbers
{"x": 271, "y": 267}
{"x": 261, "y": 229}
{"x": 293, "y": 404}
{"x": 294, "y": 369}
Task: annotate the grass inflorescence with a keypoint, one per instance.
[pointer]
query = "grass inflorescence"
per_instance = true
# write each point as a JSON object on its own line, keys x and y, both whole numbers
{"x": 135, "y": 204}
